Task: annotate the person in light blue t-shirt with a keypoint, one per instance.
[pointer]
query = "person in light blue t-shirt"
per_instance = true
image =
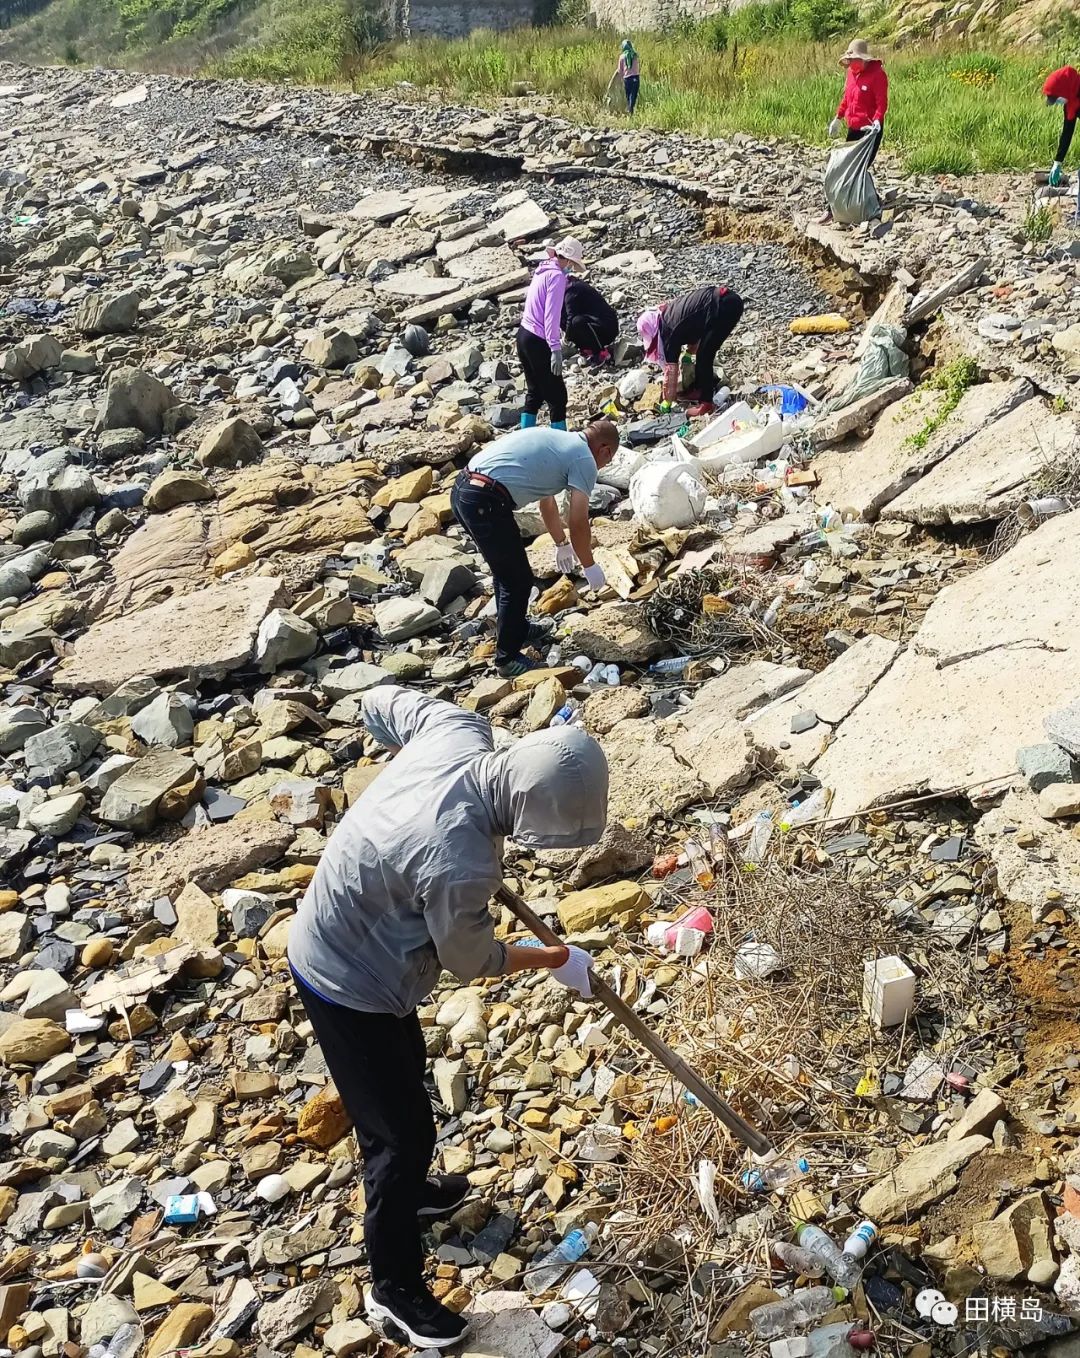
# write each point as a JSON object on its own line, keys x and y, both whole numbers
{"x": 530, "y": 466}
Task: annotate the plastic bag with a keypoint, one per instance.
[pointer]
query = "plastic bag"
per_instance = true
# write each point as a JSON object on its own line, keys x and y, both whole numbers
{"x": 620, "y": 470}
{"x": 883, "y": 361}
{"x": 632, "y": 385}
{"x": 666, "y": 494}
{"x": 849, "y": 185}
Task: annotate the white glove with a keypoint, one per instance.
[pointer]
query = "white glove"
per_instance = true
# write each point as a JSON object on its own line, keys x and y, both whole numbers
{"x": 594, "y": 574}
{"x": 565, "y": 557}
{"x": 875, "y": 126}
{"x": 836, "y": 128}
{"x": 574, "y": 972}
{"x": 556, "y": 363}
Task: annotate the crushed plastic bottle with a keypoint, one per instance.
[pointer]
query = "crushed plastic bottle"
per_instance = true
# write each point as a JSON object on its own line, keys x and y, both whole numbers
{"x": 826, "y": 1338}
{"x": 612, "y": 676}
{"x": 124, "y": 1344}
{"x": 598, "y": 674}
{"x": 769, "y": 617}
{"x": 547, "y": 1271}
{"x": 769, "y": 1178}
{"x": 842, "y": 1268}
{"x": 718, "y": 842}
{"x": 566, "y": 715}
{"x": 810, "y": 808}
{"x": 554, "y": 657}
{"x": 776, "y": 1319}
{"x": 759, "y": 837}
{"x": 803, "y": 1262}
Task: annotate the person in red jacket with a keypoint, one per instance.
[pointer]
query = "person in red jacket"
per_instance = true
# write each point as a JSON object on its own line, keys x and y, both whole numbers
{"x": 866, "y": 96}
{"x": 1063, "y": 87}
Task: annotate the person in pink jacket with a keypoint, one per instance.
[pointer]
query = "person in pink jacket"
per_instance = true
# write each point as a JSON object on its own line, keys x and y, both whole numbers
{"x": 539, "y": 336}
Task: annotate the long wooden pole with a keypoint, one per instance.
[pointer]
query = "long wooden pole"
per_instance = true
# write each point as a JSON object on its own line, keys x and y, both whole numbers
{"x": 686, "y": 1075}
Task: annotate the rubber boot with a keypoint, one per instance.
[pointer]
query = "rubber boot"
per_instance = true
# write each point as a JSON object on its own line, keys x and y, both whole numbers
{"x": 527, "y": 421}
{"x": 558, "y": 424}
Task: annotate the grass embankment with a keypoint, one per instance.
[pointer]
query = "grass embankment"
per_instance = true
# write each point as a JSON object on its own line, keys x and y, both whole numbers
{"x": 770, "y": 69}
{"x": 949, "y": 111}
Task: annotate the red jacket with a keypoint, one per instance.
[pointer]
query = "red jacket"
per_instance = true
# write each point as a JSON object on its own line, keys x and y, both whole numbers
{"x": 1065, "y": 84}
{"x": 866, "y": 95}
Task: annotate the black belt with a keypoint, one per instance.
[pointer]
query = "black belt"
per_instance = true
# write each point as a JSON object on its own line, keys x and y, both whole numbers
{"x": 487, "y": 483}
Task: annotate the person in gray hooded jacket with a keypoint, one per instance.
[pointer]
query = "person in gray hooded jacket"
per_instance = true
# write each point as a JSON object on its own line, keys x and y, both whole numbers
{"x": 401, "y": 892}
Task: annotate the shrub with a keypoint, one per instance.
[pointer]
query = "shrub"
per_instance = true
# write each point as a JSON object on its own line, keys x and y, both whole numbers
{"x": 821, "y": 19}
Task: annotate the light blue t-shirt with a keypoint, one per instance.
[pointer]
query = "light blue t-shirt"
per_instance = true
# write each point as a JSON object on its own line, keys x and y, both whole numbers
{"x": 532, "y": 463}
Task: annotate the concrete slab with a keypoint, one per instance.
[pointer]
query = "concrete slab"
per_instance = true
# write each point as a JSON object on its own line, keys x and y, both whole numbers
{"x": 502, "y": 1327}
{"x": 866, "y": 475}
{"x": 996, "y": 652}
{"x": 988, "y": 475}
{"x": 830, "y": 695}
{"x": 838, "y": 425}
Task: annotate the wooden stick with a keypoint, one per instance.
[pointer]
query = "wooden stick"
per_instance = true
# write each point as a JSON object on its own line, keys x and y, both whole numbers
{"x": 686, "y": 1075}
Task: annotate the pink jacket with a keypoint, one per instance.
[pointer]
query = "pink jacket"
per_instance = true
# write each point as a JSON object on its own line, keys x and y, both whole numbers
{"x": 543, "y": 303}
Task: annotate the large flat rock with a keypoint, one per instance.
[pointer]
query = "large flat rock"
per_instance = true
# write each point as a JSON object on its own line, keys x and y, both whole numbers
{"x": 645, "y": 777}
{"x": 996, "y": 652}
{"x": 988, "y": 475}
{"x": 416, "y": 286}
{"x": 830, "y": 695}
{"x": 208, "y": 632}
{"x": 396, "y": 244}
{"x": 867, "y": 475}
{"x": 489, "y": 261}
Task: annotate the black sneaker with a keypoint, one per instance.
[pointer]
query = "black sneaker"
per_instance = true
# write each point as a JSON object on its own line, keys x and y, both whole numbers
{"x": 416, "y": 1315}
{"x": 443, "y": 1194}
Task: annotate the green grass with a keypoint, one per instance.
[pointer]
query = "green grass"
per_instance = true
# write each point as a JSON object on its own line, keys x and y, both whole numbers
{"x": 769, "y": 69}
{"x": 951, "y": 111}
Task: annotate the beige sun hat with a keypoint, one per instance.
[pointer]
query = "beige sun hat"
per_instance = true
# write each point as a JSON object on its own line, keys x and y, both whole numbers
{"x": 858, "y": 50}
{"x": 571, "y": 249}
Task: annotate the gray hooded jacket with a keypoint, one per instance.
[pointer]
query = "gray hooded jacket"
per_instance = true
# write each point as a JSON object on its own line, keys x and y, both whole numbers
{"x": 402, "y": 889}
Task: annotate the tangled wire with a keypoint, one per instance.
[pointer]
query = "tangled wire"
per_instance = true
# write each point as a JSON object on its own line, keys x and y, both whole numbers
{"x": 711, "y": 610}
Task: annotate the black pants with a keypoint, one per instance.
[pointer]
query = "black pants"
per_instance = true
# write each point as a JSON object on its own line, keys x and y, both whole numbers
{"x": 724, "y": 315}
{"x": 377, "y": 1062}
{"x": 855, "y": 133}
{"x": 487, "y": 515}
{"x": 541, "y": 384}
{"x": 589, "y": 334}
{"x": 632, "y": 85}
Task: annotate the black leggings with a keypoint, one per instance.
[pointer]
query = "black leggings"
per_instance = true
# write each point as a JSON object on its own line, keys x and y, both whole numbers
{"x": 541, "y": 384}
{"x": 855, "y": 133}
{"x": 378, "y": 1062}
{"x": 707, "y": 324}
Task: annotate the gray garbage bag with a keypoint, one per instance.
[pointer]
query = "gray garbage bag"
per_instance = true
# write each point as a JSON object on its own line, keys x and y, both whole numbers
{"x": 849, "y": 185}
{"x": 883, "y": 362}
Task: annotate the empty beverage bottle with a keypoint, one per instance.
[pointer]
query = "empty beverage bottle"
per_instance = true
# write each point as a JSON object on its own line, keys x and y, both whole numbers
{"x": 801, "y": 1261}
{"x": 546, "y": 1272}
{"x": 769, "y": 1178}
{"x": 842, "y": 1268}
{"x": 759, "y": 837}
{"x": 675, "y": 665}
{"x": 860, "y": 1240}
{"x": 565, "y": 715}
{"x": 776, "y": 1319}
{"x": 700, "y": 867}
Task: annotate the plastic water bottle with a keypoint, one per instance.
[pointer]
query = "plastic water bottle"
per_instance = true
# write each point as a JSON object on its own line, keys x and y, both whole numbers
{"x": 842, "y": 1268}
{"x": 772, "y": 1177}
{"x": 759, "y": 837}
{"x": 554, "y": 657}
{"x": 124, "y": 1344}
{"x": 776, "y": 1319}
{"x": 800, "y": 1261}
{"x": 769, "y": 617}
{"x": 598, "y": 674}
{"x": 674, "y": 665}
{"x": 547, "y": 1271}
{"x": 860, "y": 1240}
{"x": 564, "y": 716}
{"x": 612, "y": 677}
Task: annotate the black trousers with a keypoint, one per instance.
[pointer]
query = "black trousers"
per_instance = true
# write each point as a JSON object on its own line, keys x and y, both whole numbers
{"x": 855, "y": 133}
{"x": 590, "y": 334}
{"x": 632, "y": 86}
{"x": 487, "y": 515}
{"x": 727, "y": 313}
{"x": 377, "y": 1062}
{"x": 541, "y": 384}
